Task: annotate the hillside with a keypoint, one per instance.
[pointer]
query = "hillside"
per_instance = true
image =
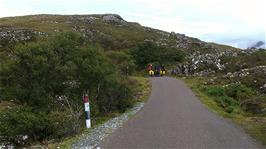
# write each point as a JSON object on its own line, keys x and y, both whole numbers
{"x": 113, "y": 33}
{"x": 109, "y": 30}
{"x": 47, "y": 62}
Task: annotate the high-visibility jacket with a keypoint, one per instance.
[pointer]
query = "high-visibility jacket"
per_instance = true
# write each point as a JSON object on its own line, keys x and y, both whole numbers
{"x": 151, "y": 72}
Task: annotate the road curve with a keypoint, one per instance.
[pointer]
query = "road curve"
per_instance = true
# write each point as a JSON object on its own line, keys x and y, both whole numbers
{"x": 175, "y": 118}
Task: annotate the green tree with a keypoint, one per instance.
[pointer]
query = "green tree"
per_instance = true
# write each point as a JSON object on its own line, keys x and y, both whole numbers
{"x": 37, "y": 73}
{"x": 123, "y": 61}
{"x": 145, "y": 53}
{"x": 149, "y": 52}
{"x": 47, "y": 78}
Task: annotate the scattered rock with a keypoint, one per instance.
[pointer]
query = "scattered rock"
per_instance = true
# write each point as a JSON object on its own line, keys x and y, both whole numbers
{"x": 247, "y": 72}
{"x": 84, "y": 19}
{"x": 114, "y": 18}
{"x": 10, "y": 34}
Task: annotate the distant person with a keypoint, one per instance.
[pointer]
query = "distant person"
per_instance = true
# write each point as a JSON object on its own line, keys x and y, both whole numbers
{"x": 157, "y": 71}
{"x": 162, "y": 71}
{"x": 149, "y": 67}
{"x": 150, "y": 70}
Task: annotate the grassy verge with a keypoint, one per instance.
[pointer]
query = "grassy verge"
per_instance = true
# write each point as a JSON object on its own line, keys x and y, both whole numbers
{"x": 142, "y": 89}
{"x": 254, "y": 125}
{"x": 195, "y": 85}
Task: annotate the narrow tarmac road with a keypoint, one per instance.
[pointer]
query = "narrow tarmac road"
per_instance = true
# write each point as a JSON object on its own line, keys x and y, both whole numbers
{"x": 175, "y": 118}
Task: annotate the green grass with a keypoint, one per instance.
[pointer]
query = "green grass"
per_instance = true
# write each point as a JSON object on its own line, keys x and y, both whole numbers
{"x": 195, "y": 84}
{"x": 254, "y": 125}
{"x": 142, "y": 88}
{"x": 223, "y": 47}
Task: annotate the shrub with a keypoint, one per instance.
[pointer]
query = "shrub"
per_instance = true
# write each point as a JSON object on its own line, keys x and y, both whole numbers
{"x": 44, "y": 74}
{"x": 239, "y": 92}
{"x": 37, "y": 73}
{"x": 116, "y": 98}
{"x": 149, "y": 52}
{"x": 229, "y": 104}
{"x": 20, "y": 125}
{"x": 254, "y": 105}
{"x": 123, "y": 61}
{"x": 237, "y": 95}
{"x": 215, "y": 91}
{"x": 145, "y": 53}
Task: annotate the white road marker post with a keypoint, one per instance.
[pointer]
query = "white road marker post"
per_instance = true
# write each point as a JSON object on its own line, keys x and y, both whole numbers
{"x": 87, "y": 110}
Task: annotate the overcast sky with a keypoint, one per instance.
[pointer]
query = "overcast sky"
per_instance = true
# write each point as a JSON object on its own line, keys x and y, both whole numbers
{"x": 235, "y": 22}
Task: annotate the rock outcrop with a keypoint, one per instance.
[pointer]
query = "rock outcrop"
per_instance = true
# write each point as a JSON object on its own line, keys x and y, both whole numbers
{"x": 11, "y": 34}
{"x": 203, "y": 64}
{"x": 114, "y": 18}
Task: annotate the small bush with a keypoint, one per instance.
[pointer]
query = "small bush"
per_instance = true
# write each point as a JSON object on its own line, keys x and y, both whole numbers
{"x": 20, "y": 125}
{"x": 237, "y": 95}
{"x": 215, "y": 91}
{"x": 239, "y": 92}
{"x": 254, "y": 105}
{"x": 16, "y": 123}
{"x": 117, "y": 98}
{"x": 227, "y": 103}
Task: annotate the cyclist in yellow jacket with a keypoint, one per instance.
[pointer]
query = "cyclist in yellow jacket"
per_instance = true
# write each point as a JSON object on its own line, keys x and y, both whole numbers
{"x": 150, "y": 70}
{"x": 162, "y": 71}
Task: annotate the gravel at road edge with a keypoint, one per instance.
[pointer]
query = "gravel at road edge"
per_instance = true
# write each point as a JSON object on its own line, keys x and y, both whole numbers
{"x": 92, "y": 139}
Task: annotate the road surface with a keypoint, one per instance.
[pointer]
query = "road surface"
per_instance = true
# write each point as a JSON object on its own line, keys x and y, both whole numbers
{"x": 175, "y": 118}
